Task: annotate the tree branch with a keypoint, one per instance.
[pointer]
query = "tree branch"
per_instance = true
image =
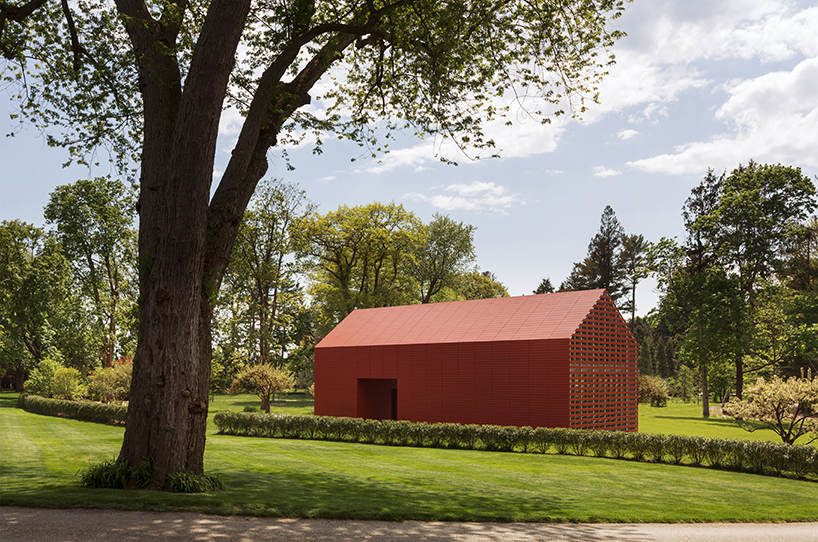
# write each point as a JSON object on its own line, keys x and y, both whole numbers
{"x": 17, "y": 14}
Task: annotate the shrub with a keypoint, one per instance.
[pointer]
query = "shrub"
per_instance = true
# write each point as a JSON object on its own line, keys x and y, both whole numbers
{"x": 113, "y": 474}
{"x": 110, "y": 384}
{"x": 676, "y": 446}
{"x": 637, "y": 445}
{"x": 655, "y": 446}
{"x": 562, "y": 440}
{"x": 715, "y": 450}
{"x": 525, "y": 438}
{"x": 67, "y": 384}
{"x": 41, "y": 380}
{"x": 77, "y": 410}
{"x": 652, "y": 390}
{"x": 543, "y": 438}
{"x": 580, "y": 441}
{"x": 696, "y": 449}
{"x": 618, "y": 444}
{"x": 599, "y": 442}
{"x": 752, "y": 456}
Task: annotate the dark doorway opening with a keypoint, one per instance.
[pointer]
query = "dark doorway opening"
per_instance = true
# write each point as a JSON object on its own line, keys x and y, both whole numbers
{"x": 378, "y": 398}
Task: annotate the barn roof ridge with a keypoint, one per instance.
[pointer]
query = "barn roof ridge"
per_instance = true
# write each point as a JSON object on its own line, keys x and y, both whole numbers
{"x": 528, "y": 317}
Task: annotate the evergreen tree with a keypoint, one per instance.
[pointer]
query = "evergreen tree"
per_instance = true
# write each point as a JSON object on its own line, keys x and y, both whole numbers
{"x": 632, "y": 262}
{"x": 601, "y": 268}
{"x": 545, "y": 287}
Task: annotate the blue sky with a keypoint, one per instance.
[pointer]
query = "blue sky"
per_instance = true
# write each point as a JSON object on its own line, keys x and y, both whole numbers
{"x": 697, "y": 84}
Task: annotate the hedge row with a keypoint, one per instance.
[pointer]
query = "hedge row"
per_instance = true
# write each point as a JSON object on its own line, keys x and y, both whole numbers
{"x": 78, "y": 410}
{"x": 753, "y": 456}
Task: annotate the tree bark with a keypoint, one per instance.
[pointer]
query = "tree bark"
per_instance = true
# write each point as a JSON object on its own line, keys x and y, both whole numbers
{"x": 739, "y": 376}
{"x": 167, "y": 414}
{"x": 185, "y": 237}
{"x": 705, "y": 394}
{"x": 19, "y": 379}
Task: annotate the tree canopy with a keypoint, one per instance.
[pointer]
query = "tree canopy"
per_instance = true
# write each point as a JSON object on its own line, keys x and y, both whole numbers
{"x": 446, "y": 249}
{"x": 94, "y": 220}
{"x": 731, "y": 292}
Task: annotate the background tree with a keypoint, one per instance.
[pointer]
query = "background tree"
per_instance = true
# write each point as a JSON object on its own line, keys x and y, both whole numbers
{"x": 359, "y": 257}
{"x": 632, "y": 262}
{"x": 264, "y": 381}
{"x": 702, "y": 308}
{"x": 759, "y": 211}
{"x": 152, "y": 78}
{"x": 785, "y": 331}
{"x": 94, "y": 220}
{"x": 545, "y": 287}
{"x": 446, "y": 248}
{"x": 801, "y": 265}
{"x": 477, "y": 285}
{"x": 601, "y": 267}
{"x": 261, "y": 273}
{"x": 35, "y": 296}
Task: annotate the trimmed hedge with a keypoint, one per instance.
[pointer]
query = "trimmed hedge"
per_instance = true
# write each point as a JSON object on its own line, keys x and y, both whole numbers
{"x": 760, "y": 457}
{"x": 78, "y": 410}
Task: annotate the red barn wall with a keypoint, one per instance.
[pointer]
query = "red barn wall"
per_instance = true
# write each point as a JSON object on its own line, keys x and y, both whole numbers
{"x": 503, "y": 383}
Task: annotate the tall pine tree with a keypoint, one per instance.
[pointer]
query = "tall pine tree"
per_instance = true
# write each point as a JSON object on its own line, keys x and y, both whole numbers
{"x": 601, "y": 267}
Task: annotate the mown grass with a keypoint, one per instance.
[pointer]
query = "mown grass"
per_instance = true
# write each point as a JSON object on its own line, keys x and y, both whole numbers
{"x": 679, "y": 418}
{"x": 294, "y": 402}
{"x": 40, "y": 456}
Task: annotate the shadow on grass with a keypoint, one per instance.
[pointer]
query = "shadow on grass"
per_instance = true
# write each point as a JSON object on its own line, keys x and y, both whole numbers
{"x": 716, "y": 421}
{"x": 8, "y": 399}
{"x": 713, "y": 420}
{"x": 293, "y": 493}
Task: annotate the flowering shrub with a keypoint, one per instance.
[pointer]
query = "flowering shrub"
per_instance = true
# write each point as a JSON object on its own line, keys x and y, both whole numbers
{"x": 788, "y": 407}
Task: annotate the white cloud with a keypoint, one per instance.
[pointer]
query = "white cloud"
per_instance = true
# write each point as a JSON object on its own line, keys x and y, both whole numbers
{"x": 669, "y": 43}
{"x": 627, "y": 134}
{"x": 412, "y": 157}
{"x": 525, "y": 137}
{"x": 602, "y": 171}
{"x": 477, "y": 196}
{"x": 327, "y": 179}
{"x": 772, "y": 118}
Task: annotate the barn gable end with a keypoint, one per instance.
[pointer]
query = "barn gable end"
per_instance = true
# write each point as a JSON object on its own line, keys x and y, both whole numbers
{"x": 551, "y": 360}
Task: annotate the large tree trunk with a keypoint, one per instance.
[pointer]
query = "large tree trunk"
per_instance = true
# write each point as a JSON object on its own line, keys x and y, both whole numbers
{"x": 167, "y": 413}
{"x": 185, "y": 237}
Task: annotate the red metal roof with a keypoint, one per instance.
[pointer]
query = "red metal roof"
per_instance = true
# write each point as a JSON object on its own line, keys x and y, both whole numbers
{"x": 531, "y": 317}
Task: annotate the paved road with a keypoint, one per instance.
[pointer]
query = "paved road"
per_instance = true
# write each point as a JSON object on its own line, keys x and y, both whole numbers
{"x": 81, "y": 525}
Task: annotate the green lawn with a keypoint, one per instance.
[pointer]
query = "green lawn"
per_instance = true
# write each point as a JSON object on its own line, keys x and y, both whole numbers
{"x": 679, "y": 418}
{"x": 296, "y": 402}
{"x": 40, "y": 456}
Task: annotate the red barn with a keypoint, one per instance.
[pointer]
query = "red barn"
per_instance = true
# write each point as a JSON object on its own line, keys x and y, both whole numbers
{"x": 553, "y": 360}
